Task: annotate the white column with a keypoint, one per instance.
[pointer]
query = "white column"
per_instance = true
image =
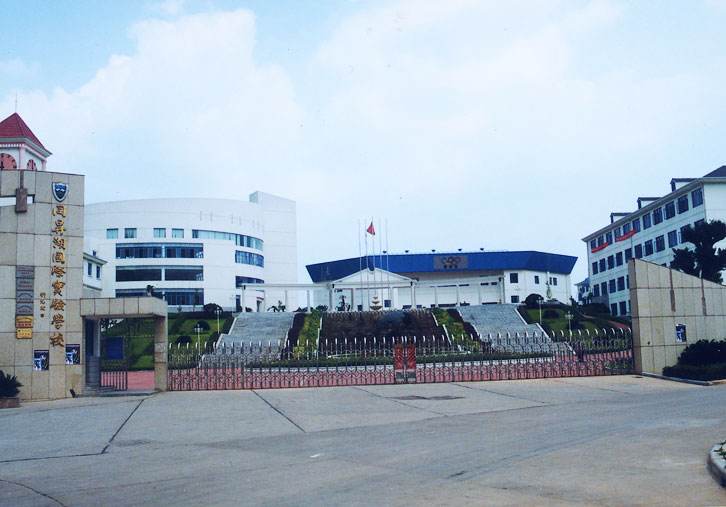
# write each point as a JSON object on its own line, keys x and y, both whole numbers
{"x": 287, "y": 309}
{"x": 330, "y": 299}
{"x": 307, "y": 295}
{"x": 413, "y": 291}
{"x": 352, "y": 299}
{"x": 243, "y": 301}
{"x": 478, "y": 292}
{"x": 458, "y": 298}
{"x": 436, "y": 296}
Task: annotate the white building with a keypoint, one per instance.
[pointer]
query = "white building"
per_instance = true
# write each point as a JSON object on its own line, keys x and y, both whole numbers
{"x": 196, "y": 251}
{"x": 651, "y": 232}
{"x": 441, "y": 279}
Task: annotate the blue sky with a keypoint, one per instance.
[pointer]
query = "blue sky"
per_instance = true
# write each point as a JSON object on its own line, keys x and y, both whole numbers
{"x": 465, "y": 124}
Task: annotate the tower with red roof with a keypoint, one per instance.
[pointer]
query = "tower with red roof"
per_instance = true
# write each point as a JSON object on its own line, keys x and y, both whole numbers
{"x": 20, "y": 149}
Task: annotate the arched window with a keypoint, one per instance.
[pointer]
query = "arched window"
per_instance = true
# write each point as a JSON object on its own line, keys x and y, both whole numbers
{"x": 7, "y": 162}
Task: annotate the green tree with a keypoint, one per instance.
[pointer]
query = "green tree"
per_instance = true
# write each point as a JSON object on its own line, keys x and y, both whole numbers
{"x": 704, "y": 260}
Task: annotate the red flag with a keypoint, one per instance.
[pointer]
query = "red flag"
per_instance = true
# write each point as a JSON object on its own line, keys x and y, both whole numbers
{"x": 371, "y": 230}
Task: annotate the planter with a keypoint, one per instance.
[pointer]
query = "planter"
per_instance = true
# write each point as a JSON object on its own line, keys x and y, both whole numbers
{"x": 717, "y": 464}
{"x": 13, "y": 402}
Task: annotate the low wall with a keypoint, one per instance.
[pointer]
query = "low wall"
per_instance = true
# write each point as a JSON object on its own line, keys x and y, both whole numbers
{"x": 670, "y": 310}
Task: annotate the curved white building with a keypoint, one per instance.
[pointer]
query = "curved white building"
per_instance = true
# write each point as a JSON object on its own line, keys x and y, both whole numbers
{"x": 196, "y": 251}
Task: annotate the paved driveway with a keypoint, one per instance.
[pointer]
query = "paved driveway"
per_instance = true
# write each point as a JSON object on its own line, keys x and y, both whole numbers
{"x": 577, "y": 441}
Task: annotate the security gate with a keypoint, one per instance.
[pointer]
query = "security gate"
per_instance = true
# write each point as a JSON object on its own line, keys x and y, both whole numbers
{"x": 114, "y": 363}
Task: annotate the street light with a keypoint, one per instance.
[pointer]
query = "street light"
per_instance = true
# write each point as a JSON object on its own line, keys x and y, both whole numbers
{"x": 217, "y": 312}
{"x": 198, "y": 330}
{"x": 539, "y": 301}
{"x": 568, "y": 316}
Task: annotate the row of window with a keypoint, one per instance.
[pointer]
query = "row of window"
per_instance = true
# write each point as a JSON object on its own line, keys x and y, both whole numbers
{"x": 243, "y": 280}
{"x": 514, "y": 278}
{"x": 173, "y": 297}
{"x": 159, "y": 251}
{"x": 611, "y": 287}
{"x": 623, "y": 306}
{"x": 239, "y": 239}
{"x": 89, "y": 270}
{"x": 674, "y": 237}
{"x": 252, "y": 259}
{"x": 132, "y": 233}
{"x": 680, "y": 205}
{"x": 154, "y": 273}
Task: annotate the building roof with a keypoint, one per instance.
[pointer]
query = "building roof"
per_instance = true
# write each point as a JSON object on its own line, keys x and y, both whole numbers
{"x": 717, "y": 173}
{"x": 432, "y": 263}
{"x": 13, "y": 127}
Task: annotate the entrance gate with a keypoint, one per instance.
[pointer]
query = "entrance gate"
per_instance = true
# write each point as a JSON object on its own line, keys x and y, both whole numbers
{"x": 404, "y": 363}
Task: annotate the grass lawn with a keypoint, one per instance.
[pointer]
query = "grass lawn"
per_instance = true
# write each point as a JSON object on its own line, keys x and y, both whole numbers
{"x": 556, "y": 324}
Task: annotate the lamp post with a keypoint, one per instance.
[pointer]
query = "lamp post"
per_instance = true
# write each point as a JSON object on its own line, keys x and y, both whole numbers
{"x": 198, "y": 329}
{"x": 568, "y": 316}
{"x": 539, "y": 301}
{"x": 217, "y": 312}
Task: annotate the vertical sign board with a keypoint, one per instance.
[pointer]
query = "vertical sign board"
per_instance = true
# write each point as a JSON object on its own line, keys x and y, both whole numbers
{"x": 398, "y": 367}
{"x": 58, "y": 264}
{"x": 24, "y": 287}
{"x": 681, "y": 333}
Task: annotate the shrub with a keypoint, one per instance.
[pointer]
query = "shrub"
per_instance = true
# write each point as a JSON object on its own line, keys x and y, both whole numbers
{"x": 183, "y": 340}
{"x": 595, "y": 309}
{"x": 9, "y": 385}
{"x": 703, "y": 352}
{"x": 532, "y": 300}
{"x": 696, "y": 372}
{"x": 211, "y": 308}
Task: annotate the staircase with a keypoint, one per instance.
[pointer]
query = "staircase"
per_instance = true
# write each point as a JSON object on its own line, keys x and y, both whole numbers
{"x": 251, "y": 329}
{"x": 501, "y": 324}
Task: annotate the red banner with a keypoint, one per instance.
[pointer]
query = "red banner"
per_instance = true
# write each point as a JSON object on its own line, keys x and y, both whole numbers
{"x": 627, "y": 235}
{"x": 600, "y": 247}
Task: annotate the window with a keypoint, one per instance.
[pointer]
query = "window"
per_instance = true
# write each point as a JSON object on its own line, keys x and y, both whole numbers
{"x": 659, "y": 243}
{"x": 611, "y": 262}
{"x": 623, "y": 308}
{"x": 513, "y": 277}
{"x": 536, "y": 279}
{"x": 184, "y": 273}
{"x": 603, "y": 267}
{"x": 670, "y": 210}
{"x": 627, "y": 281}
{"x": 242, "y": 280}
{"x": 608, "y": 237}
{"x": 159, "y": 232}
{"x": 177, "y": 233}
{"x": 636, "y": 225}
{"x": 672, "y": 239}
{"x": 628, "y": 254}
{"x": 638, "y": 251}
{"x": 249, "y": 258}
{"x": 612, "y": 285}
{"x": 596, "y": 291}
{"x": 138, "y": 274}
{"x": 604, "y": 288}
{"x": 626, "y": 228}
{"x": 159, "y": 250}
{"x": 646, "y": 221}
{"x": 130, "y": 233}
{"x": 649, "y": 247}
{"x": 239, "y": 239}
{"x": 515, "y": 299}
{"x": 111, "y": 233}
{"x": 682, "y": 204}
{"x": 600, "y": 240}
{"x": 619, "y": 259}
{"x": 621, "y": 283}
{"x": 697, "y": 197}
{"x": 613, "y": 309}
{"x": 554, "y": 281}
{"x": 657, "y": 216}
{"x": 89, "y": 269}
{"x": 594, "y": 268}
{"x": 98, "y": 271}
{"x": 593, "y": 244}
{"x": 617, "y": 232}
{"x": 683, "y": 229}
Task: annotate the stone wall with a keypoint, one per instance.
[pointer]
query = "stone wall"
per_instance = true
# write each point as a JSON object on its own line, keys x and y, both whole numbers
{"x": 46, "y": 241}
{"x": 671, "y": 310}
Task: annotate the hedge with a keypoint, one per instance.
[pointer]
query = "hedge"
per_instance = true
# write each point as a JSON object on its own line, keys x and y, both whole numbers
{"x": 697, "y": 372}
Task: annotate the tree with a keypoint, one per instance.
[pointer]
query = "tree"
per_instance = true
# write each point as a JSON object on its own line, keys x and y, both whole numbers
{"x": 704, "y": 260}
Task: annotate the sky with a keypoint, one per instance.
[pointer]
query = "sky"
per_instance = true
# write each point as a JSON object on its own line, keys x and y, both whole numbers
{"x": 517, "y": 125}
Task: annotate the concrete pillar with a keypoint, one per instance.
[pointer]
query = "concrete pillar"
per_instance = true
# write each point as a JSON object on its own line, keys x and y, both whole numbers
{"x": 242, "y": 298}
{"x": 287, "y": 309}
{"x": 458, "y": 296}
{"x": 436, "y": 296}
{"x": 93, "y": 362}
{"x": 161, "y": 340}
{"x": 478, "y": 292}
{"x": 352, "y": 299}
{"x": 307, "y": 296}
{"x": 330, "y": 299}
{"x": 413, "y": 296}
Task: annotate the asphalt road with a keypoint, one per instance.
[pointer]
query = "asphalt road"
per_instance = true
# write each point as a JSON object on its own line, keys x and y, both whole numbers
{"x": 580, "y": 441}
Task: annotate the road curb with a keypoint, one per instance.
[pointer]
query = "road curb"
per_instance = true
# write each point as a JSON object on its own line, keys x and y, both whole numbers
{"x": 685, "y": 380}
{"x": 717, "y": 464}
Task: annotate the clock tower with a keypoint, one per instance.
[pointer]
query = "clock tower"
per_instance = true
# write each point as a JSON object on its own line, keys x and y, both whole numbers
{"x": 19, "y": 148}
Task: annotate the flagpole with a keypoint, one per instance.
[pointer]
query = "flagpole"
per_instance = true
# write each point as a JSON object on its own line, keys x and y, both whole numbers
{"x": 360, "y": 266}
{"x": 388, "y": 272}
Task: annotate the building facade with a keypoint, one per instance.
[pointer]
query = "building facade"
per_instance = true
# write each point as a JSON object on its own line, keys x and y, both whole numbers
{"x": 651, "y": 232}
{"x": 442, "y": 279}
{"x": 196, "y": 251}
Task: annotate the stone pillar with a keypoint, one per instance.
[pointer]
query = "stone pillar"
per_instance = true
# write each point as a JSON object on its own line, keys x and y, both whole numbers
{"x": 244, "y": 303}
{"x": 307, "y": 295}
{"x": 287, "y": 309}
{"x": 458, "y": 296}
{"x": 478, "y": 292}
{"x": 436, "y": 296}
{"x": 330, "y": 299}
{"x": 160, "y": 353}
{"x": 413, "y": 296}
